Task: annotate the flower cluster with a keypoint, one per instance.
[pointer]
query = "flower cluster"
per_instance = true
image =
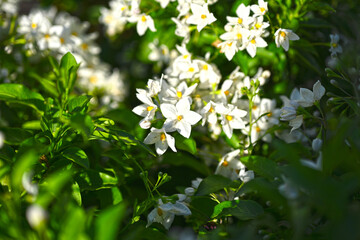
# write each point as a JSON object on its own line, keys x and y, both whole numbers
{"x": 165, "y": 213}
{"x": 123, "y": 11}
{"x": 190, "y": 91}
{"x": 303, "y": 98}
{"x": 49, "y": 32}
{"x": 247, "y": 32}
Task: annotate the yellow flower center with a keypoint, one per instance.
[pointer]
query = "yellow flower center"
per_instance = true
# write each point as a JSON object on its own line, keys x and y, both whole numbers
{"x": 149, "y": 108}
{"x": 203, "y": 16}
{"x": 123, "y": 8}
{"x": 160, "y": 212}
{"x": 226, "y": 92}
{"x": 253, "y": 41}
{"x": 205, "y": 67}
{"x": 334, "y": 45}
{"x": 179, "y": 94}
{"x": 254, "y": 107}
{"x": 229, "y": 118}
{"x": 84, "y": 46}
{"x": 93, "y": 79}
{"x": 229, "y": 44}
{"x": 179, "y": 117}
{"x": 225, "y": 163}
{"x": 258, "y": 25}
{"x": 33, "y": 25}
{"x": 162, "y": 137}
{"x": 197, "y": 96}
{"x": 143, "y": 18}
{"x": 239, "y": 36}
{"x": 211, "y": 110}
{"x": 163, "y": 52}
{"x": 262, "y": 9}
{"x": 269, "y": 114}
{"x": 62, "y": 40}
{"x": 74, "y": 34}
{"x": 282, "y": 34}
{"x": 47, "y": 36}
{"x": 185, "y": 56}
{"x": 257, "y": 129}
{"x": 191, "y": 69}
{"x": 240, "y": 20}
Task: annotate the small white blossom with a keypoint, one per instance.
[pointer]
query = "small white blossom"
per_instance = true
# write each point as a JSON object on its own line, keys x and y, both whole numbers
{"x": 145, "y": 22}
{"x": 259, "y": 9}
{"x": 231, "y": 118}
{"x": 161, "y": 139}
{"x": 201, "y": 16}
{"x": 165, "y": 213}
{"x": 179, "y": 117}
{"x": 282, "y": 37}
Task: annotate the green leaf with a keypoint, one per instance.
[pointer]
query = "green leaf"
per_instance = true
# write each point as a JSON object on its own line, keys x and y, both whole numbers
{"x": 76, "y": 193}
{"x": 83, "y": 123}
{"x": 68, "y": 68}
{"x": 213, "y": 184}
{"x": 113, "y": 215}
{"x": 241, "y": 209}
{"x": 76, "y": 155}
{"x": 73, "y": 226}
{"x": 17, "y": 93}
{"x": 186, "y": 144}
{"x": 53, "y": 186}
{"x": 22, "y": 164}
{"x": 47, "y": 85}
{"x": 263, "y": 166}
{"x": 15, "y": 136}
{"x": 79, "y": 103}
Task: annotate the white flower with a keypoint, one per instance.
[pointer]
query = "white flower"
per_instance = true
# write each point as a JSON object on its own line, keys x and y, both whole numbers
{"x": 165, "y": 213}
{"x": 146, "y": 110}
{"x": 282, "y": 37}
{"x": 308, "y": 97}
{"x": 253, "y": 43}
{"x": 229, "y": 48}
{"x": 229, "y": 166}
{"x": 230, "y": 118}
{"x": 201, "y": 16}
{"x": 179, "y": 117}
{"x": 246, "y": 176}
{"x": 243, "y": 18}
{"x": 208, "y": 113}
{"x": 259, "y": 9}
{"x": 182, "y": 91}
{"x": 334, "y": 45}
{"x": 161, "y": 139}
{"x": 145, "y": 22}
{"x": 36, "y": 216}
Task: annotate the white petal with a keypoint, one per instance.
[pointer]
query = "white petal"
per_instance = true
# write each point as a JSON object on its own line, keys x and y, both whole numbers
{"x": 151, "y": 138}
{"x": 161, "y": 147}
{"x": 171, "y": 142}
{"x": 318, "y": 90}
{"x": 184, "y": 128}
{"x": 168, "y": 110}
{"x": 182, "y": 106}
{"x": 192, "y": 117}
